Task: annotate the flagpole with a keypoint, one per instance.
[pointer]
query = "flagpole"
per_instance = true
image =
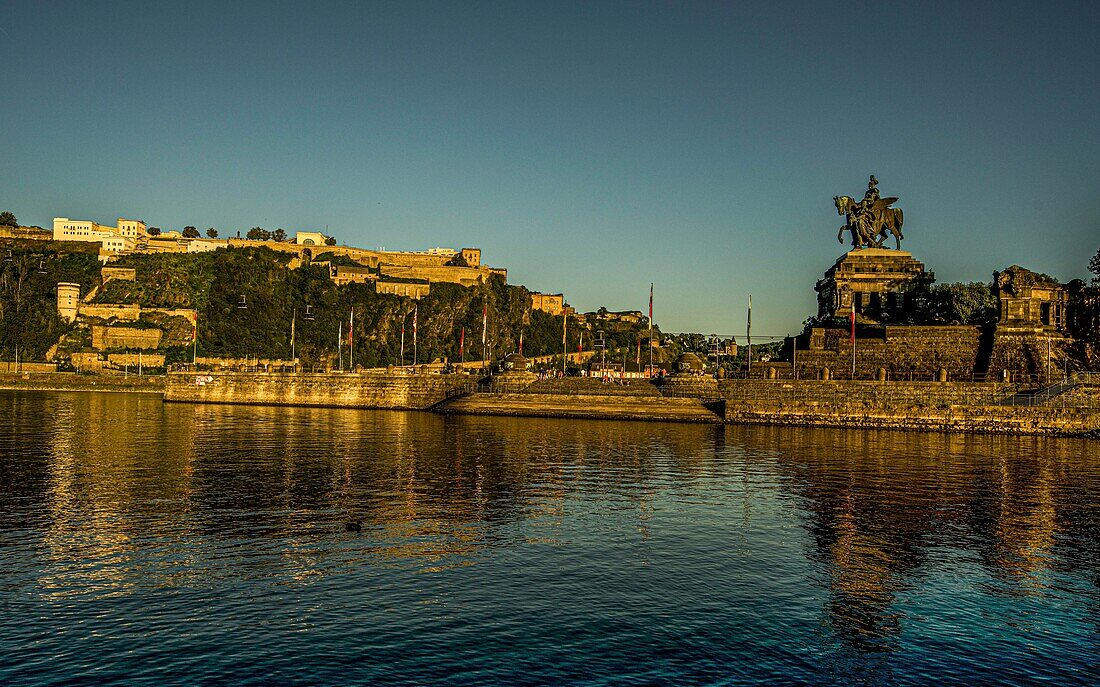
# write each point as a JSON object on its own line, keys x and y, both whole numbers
{"x": 853, "y": 339}
{"x": 564, "y": 338}
{"x": 403, "y": 339}
{"x": 462, "y": 346}
{"x": 415, "y": 312}
{"x": 748, "y": 336}
{"x": 484, "y": 331}
{"x": 293, "y": 319}
{"x": 351, "y": 341}
{"x": 340, "y": 344}
{"x": 650, "y": 329}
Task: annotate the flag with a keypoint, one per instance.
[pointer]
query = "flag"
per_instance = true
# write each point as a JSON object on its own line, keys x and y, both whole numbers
{"x": 351, "y": 327}
{"x": 580, "y": 343}
{"x": 414, "y": 324}
{"x": 484, "y": 328}
{"x": 521, "y": 343}
{"x": 651, "y": 304}
{"x": 292, "y": 318}
{"x": 462, "y": 344}
{"x": 852, "y": 317}
{"x": 638, "y": 355}
{"x": 564, "y": 327}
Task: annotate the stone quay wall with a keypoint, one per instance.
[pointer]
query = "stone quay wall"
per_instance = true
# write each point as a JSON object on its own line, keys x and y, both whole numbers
{"x": 341, "y": 390}
{"x": 911, "y": 393}
{"x": 72, "y": 381}
{"x": 1046, "y": 420}
{"x": 586, "y": 407}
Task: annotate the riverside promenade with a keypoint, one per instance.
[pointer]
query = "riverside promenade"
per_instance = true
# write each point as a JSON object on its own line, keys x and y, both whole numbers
{"x": 1070, "y": 409}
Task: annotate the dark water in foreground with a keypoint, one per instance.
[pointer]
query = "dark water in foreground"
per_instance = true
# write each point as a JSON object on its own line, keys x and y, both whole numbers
{"x": 149, "y": 544}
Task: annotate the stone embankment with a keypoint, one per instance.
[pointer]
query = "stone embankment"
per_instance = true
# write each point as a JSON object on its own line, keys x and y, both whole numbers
{"x": 72, "y": 381}
{"x": 340, "y": 390}
{"x": 928, "y": 406}
{"x": 586, "y": 406}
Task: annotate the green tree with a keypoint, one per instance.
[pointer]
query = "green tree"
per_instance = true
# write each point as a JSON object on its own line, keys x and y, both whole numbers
{"x": 190, "y": 232}
{"x": 279, "y": 235}
{"x": 330, "y": 241}
{"x": 212, "y": 233}
{"x": 258, "y": 234}
{"x": 1094, "y": 267}
{"x": 7, "y": 219}
{"x": 964, "y": 303}
{"x": 153, "y": 231}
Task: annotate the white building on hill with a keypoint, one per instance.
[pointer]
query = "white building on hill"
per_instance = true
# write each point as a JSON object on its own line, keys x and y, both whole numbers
{"x": 117, "y": 239}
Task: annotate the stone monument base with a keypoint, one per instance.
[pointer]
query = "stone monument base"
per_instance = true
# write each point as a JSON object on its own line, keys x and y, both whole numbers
{"x": 873, "y": 281}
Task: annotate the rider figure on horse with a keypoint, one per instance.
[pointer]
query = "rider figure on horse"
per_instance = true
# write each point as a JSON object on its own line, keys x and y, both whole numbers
{"x": 865, "y": 212}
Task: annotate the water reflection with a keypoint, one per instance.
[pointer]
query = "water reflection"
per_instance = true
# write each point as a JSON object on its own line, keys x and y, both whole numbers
{"x": 881, "y": 503}
{"x": 884, "y": 534}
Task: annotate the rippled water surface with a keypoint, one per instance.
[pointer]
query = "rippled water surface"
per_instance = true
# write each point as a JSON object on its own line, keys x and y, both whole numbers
{"x": 150, "y": 544}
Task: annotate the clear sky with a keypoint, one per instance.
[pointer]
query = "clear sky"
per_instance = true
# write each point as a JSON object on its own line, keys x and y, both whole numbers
{"x": 590, "y": 148}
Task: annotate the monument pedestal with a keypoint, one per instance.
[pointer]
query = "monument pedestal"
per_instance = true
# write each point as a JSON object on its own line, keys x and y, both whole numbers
{"x": 872, "y": 281}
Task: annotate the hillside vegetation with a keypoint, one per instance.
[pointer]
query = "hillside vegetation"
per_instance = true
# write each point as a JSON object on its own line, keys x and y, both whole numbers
{"x": 29, "y": 323}
{"x": 217, "y": 283}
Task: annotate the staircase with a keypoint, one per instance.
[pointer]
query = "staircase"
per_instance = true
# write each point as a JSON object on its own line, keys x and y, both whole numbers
{"x": 1039, "y": 397}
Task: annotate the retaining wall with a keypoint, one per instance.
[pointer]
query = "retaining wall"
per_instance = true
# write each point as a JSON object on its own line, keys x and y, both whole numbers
{"x": 972, "y": 419}
{"x": 72, "y": 381}
{"x": 342, "y": 390}
{"x": 586, "y": 406}
{"x": 886, "y": 392}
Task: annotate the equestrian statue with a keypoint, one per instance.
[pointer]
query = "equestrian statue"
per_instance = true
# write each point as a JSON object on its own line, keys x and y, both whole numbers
{"x": 870, "y": 221}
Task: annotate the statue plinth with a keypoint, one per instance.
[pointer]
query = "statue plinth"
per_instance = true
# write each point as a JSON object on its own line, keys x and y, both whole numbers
{"x": 874, "y": 282}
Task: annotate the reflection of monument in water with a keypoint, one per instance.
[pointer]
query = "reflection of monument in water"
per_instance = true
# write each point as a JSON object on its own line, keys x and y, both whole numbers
{"x": 879, "y": 504}
{"x": 876, "y": 300}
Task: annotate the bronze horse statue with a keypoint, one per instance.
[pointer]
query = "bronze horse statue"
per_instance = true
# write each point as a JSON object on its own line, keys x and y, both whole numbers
{"x": 885, "y": 221}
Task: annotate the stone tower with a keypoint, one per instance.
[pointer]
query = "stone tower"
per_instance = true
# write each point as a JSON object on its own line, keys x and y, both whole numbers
{"x": 68, "y": 300}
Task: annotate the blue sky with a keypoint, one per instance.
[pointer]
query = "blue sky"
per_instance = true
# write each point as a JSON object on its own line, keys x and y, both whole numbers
{"x": 590, "y": 148}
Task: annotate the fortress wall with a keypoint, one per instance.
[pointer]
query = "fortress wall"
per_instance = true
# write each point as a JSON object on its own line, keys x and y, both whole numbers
{"x": 415, "y": 259}
{"x": 7, "y": 232}
{"x": 400, "y": 288}
{"x": 105, "y": 337}
{"x": 127, "y": 313}
{"x": 401, "y": 391}
{"x": 119, "y": 273}
{"x": 466, "y": 276}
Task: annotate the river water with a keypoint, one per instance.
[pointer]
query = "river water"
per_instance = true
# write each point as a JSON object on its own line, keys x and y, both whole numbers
{"x": 144, "y": 543}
